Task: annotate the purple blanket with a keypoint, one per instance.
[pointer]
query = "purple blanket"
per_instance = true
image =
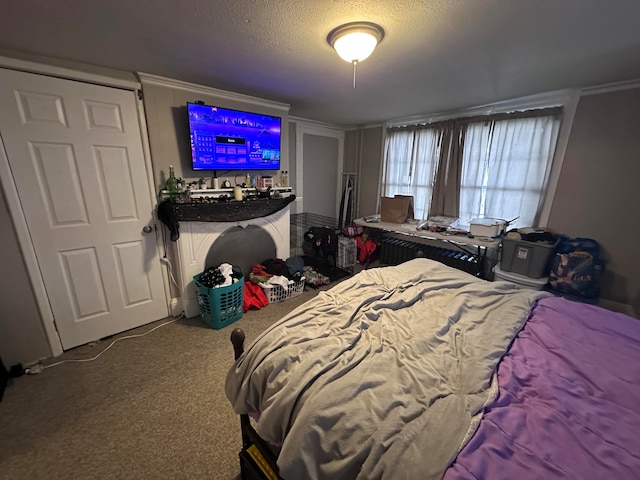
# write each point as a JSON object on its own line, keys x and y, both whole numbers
{"x": 569, "y": 401}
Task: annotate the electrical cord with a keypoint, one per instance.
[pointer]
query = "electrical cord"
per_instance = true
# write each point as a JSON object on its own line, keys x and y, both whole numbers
{"x": 39, "y": 368}
{"x": 165, "y": 260}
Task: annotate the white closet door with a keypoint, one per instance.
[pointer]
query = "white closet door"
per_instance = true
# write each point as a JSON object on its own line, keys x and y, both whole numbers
{"x": 75, "y": 151}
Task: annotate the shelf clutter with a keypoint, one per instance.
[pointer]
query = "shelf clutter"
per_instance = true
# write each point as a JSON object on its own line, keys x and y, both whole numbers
{"x": 226, "y": 193}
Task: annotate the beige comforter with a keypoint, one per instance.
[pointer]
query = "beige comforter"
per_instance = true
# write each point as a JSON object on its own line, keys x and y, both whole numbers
{"x": 383, "y": 376}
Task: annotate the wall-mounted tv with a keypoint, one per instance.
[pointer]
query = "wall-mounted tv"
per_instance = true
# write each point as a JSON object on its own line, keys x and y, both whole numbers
{"x": 225, "y": 139}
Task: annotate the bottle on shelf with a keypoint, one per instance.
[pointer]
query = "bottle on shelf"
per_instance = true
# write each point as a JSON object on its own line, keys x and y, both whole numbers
{"x": 285, "y": 179}
{"x": 172, "y": 184}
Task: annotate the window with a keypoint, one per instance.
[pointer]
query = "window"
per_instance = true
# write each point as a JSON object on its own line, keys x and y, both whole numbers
{"x": 493, "y": 166}
{"x": 412, "y": 159}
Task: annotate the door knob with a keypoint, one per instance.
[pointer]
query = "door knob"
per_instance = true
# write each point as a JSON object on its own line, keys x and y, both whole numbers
{"x": 147, "y": 229}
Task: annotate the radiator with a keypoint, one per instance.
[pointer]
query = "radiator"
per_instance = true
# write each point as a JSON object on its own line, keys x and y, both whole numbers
{"x": 394, "y": 251}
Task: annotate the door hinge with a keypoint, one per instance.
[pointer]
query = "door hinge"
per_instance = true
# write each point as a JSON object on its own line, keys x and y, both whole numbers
{"x": 140, "y": 95}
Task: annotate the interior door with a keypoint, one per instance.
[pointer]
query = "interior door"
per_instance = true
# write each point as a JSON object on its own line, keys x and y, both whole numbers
{"x": 75, "y": 151}
{"x": 320, "y": 182}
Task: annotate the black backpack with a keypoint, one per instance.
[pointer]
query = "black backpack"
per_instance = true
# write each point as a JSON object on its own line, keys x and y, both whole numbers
{"x": 576, "y": 269}
{"x": 321, "y": 245}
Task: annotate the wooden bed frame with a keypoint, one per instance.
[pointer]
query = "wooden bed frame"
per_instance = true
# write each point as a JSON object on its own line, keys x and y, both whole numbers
{"x": 534, "y": 325}
{"x": 257, "y": 458}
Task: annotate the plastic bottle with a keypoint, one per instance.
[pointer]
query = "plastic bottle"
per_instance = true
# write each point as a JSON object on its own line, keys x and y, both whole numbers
{"x": 285, "y": 179}
{"x": 172, "y": 184}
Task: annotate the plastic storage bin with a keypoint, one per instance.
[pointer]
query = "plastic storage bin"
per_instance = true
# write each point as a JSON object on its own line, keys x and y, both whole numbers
{"x": 521, "y": 280}
{"x": 220, "y": 306}
{"x": 276, "y": 293}
{"x": 527, "y": 258}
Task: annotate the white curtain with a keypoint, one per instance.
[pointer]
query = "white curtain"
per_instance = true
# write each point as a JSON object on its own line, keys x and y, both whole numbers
{"x": 505, "y": 168}
{"x": 474, "y": 170}
{"x": 411, "y": 159}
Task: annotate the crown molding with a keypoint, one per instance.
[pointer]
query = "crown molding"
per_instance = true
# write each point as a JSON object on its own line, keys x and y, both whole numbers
{"x": 610, "y": 87}
{"x": 150, "y": 79}
{"x": 29, "y": 66}
{"x": 364, "y": 127}
{"x": 316, "y": 124}
{"x": 541, "y": 100}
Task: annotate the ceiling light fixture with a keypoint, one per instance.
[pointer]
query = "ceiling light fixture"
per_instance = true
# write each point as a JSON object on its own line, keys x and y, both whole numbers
{"x": 355, "y": 41}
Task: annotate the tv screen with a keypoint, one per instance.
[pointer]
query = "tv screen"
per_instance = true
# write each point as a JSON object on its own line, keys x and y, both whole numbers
{"x": 224, "y": 139}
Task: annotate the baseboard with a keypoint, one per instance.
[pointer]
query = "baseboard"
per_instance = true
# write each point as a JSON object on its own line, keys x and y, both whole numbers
{"x": 617, "y": 307}
{"x": 175, "y": 307}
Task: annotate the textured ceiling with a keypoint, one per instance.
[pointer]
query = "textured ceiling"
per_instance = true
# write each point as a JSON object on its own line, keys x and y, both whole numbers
{"x": 437, "y": 55}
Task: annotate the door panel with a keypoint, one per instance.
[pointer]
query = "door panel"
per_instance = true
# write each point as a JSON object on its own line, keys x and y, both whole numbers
{"x": 130, "y": 261}
{"x": 116, "y": 183}
{"x": 55, "y": 166}
{"x": 75, "y": 151}
{"x": 84, "y": 284}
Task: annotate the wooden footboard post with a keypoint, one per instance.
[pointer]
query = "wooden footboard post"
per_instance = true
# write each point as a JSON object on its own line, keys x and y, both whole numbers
{"x": 237, "y": 339}
{"x": 253, "y": 447}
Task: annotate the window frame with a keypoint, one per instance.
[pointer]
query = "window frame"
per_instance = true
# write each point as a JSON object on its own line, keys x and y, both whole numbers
{"x": 564, "y": 103}
{"x": 567, "y": 99}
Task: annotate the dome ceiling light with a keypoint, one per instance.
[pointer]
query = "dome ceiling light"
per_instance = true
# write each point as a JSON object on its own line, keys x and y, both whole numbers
{"x": 355, "y": 41}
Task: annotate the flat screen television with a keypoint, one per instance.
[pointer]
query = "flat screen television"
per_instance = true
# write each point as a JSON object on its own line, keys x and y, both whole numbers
{"x": 225, "y": 139}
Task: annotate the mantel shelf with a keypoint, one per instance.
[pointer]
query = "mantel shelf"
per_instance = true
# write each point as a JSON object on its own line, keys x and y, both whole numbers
{"x": 227, "y": 211}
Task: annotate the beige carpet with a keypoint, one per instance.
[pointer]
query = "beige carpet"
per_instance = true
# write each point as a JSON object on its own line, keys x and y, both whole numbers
{"x": 149, "y": 408}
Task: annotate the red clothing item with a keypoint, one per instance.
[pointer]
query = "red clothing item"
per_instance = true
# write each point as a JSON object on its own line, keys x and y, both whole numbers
{"x": 254, "y": 298}
{"x": 260, "y": 270}
{"x": 365, "y": 249}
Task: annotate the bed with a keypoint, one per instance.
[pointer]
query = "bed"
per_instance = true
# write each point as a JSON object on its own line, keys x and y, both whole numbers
{"x": 421, "y": 371}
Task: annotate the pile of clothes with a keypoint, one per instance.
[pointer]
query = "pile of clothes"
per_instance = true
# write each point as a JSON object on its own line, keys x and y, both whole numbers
{"x": 221, "y": 276}
{"x": 278, "y": 271}
{"x": 272, "y": 271}
{"x": 314, "y": 278}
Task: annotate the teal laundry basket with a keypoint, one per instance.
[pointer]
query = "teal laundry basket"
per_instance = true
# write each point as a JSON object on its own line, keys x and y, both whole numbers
{"x": 220, "y": 306}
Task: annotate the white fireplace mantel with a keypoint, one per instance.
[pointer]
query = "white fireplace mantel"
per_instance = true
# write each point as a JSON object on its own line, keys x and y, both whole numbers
{"x": 196, "y": 238}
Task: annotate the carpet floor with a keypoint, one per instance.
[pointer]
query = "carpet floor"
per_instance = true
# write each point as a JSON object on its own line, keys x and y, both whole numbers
{"x": 151, "y": 407}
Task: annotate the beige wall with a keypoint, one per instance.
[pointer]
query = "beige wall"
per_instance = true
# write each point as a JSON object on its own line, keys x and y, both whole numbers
{"x": 363, "y": 154}
{"x": 596, "y": 197}
{"x": 22, "y": 336}
{"x": 168, "y": 127}
{"x": 169, "y": 142}
{"x": 370, "y": 170}
{"x": 292, "y": 164}
{"x": 598, "y": 190}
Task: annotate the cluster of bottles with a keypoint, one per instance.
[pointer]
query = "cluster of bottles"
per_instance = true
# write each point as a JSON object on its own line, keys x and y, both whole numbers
{"x": 284, "y": 178}
{"x": 175, "y": 186}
